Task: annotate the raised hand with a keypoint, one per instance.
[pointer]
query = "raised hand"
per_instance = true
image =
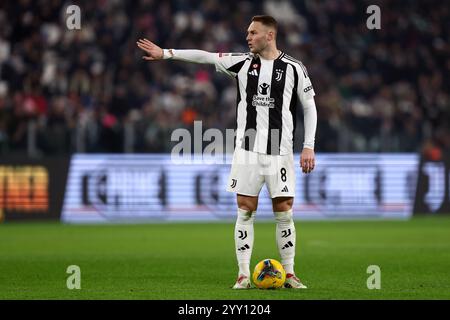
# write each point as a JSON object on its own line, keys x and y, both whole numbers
{"x": 152, "y": 50}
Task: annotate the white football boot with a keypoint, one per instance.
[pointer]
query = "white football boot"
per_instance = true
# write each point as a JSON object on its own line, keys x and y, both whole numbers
{"x": 243, "y": 282}
{"x": 292, "y": 282}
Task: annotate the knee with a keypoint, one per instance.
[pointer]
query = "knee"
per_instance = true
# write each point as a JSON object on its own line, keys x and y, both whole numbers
{"x": 283, "y": 206}
{"x": 245, "y": 216}
{"x": 247, "y": 204}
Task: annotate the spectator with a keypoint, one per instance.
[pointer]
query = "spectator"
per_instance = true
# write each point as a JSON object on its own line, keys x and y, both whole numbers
{"x": 377, "y": 90}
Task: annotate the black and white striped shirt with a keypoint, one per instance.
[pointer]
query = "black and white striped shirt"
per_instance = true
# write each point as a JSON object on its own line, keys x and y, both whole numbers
{"x": 267, "y": 95}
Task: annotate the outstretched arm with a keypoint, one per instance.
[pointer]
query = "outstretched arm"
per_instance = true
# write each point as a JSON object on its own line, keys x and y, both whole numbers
{"x": 154, "y": 52}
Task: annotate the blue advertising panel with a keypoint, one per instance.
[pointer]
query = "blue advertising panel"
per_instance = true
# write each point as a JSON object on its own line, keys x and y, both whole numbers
{"x": 135, "y": 188}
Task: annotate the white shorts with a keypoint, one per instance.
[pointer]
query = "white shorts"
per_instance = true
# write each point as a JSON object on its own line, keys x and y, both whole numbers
{"x": 250, "y": 170}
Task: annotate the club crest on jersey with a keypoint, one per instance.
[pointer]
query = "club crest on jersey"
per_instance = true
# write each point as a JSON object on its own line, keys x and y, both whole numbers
{"x": 254, "y": 72}
{"x": 279, "y": 74}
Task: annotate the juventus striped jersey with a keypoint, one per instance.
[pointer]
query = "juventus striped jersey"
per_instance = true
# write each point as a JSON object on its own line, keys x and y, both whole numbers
{"x": 267, "y": 95}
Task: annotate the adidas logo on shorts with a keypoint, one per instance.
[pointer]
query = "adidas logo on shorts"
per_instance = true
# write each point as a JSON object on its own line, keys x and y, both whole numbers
{"x": 285, "y": 189}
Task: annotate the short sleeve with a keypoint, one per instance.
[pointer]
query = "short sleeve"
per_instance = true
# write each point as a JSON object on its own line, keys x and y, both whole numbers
{"x": 230, "y": 63}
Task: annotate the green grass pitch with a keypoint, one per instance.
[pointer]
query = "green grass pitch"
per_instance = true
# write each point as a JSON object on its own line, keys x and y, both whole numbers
{"x": 197, "y": 261}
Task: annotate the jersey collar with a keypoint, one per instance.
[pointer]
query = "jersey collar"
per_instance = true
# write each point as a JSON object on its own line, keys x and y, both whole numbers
{"x": 256, "y": 56}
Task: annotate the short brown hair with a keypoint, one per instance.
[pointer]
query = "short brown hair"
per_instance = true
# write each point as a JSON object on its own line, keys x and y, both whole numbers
{"x": 268, "y": 21}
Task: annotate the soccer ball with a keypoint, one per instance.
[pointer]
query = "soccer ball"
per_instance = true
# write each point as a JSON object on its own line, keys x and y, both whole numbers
{"x": 269, "y": 274}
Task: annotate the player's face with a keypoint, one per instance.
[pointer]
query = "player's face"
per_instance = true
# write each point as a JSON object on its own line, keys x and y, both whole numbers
{"x": 257, "y": 37}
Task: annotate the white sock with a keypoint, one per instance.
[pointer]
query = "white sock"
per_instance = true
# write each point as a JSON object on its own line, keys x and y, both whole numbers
{"x": 285, "y": 234}
{"x": 243, "y": 237}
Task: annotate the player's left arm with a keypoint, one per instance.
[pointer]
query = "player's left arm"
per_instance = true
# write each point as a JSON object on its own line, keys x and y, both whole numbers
{"x": 307, "y": 159}
{"x": 306, "y": 95}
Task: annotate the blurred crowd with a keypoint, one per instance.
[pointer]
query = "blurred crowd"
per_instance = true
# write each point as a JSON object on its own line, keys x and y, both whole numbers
{"x": 89, "y": 90}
